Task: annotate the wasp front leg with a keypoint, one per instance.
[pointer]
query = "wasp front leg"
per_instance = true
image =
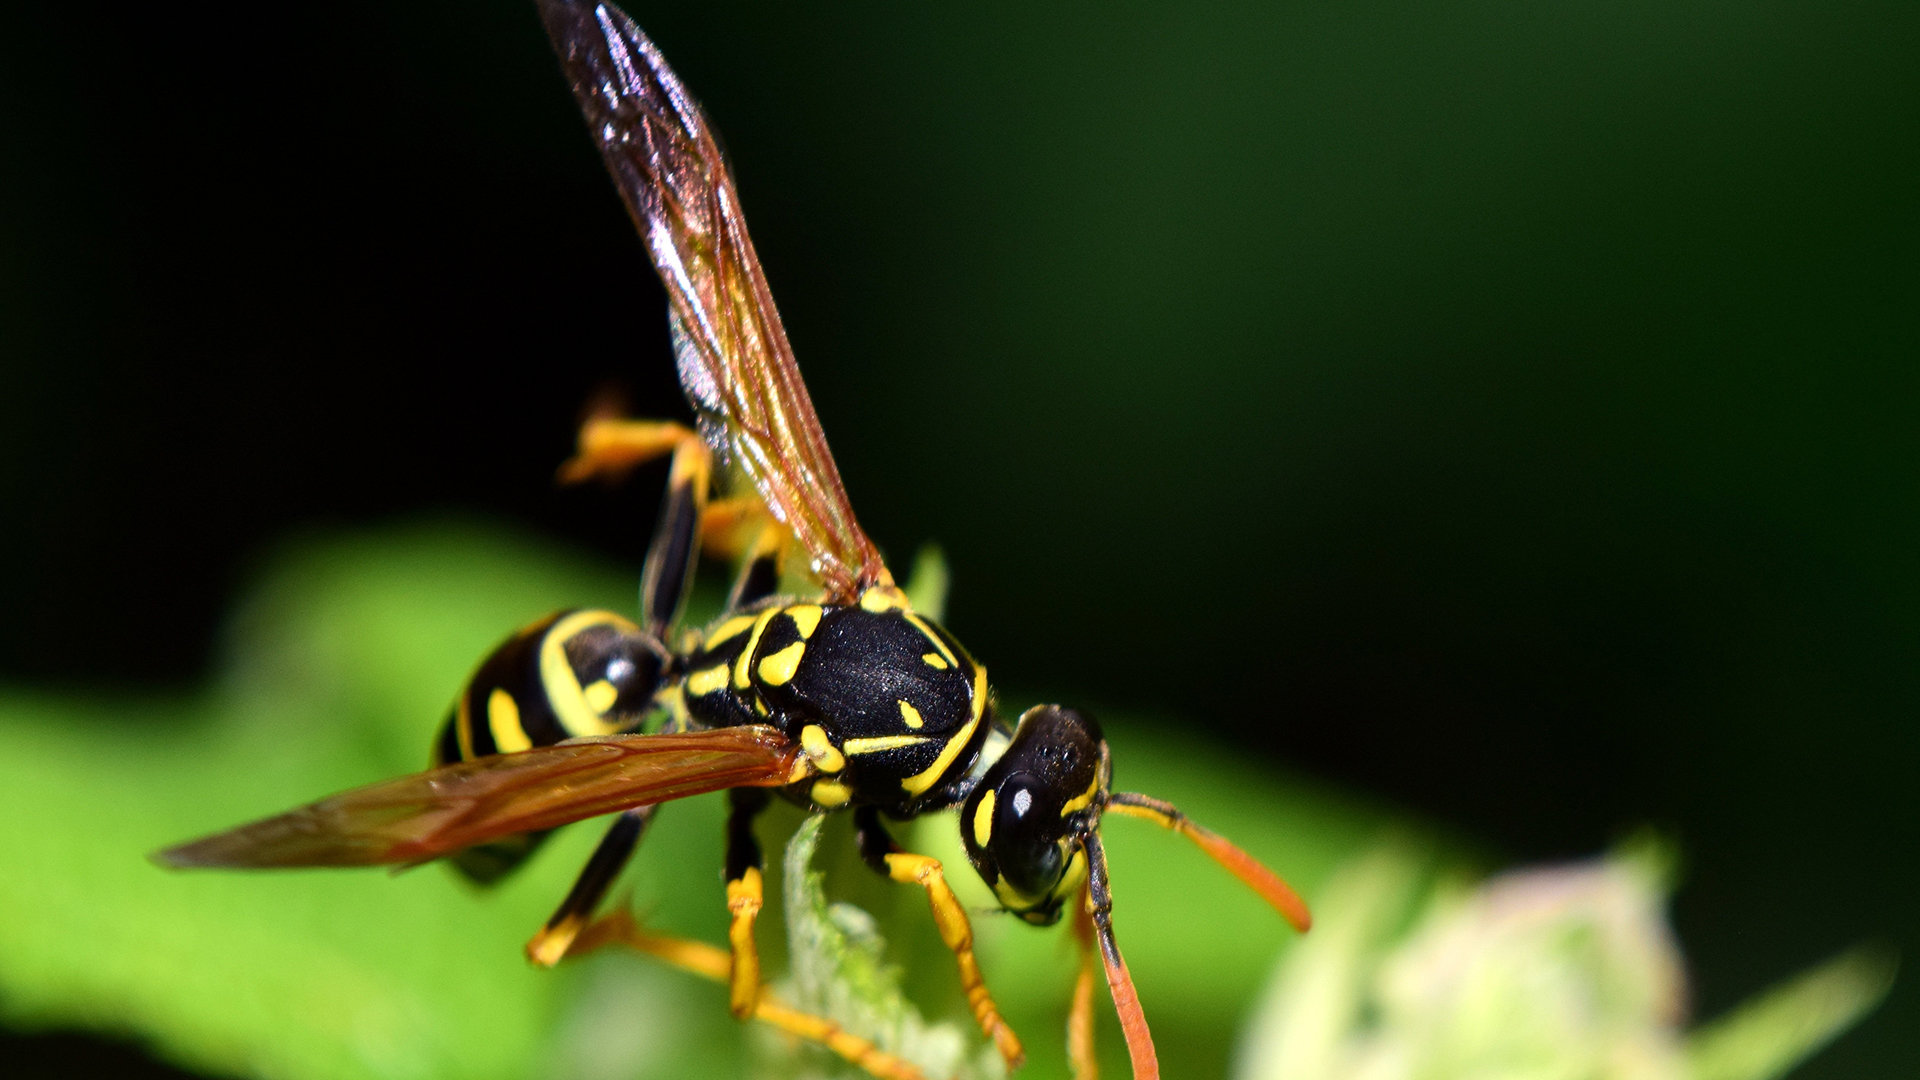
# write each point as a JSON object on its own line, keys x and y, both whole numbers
{"x": 886, "y": 857}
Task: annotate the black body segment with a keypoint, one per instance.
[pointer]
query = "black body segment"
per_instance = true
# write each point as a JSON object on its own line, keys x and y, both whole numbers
{"x": 892, "y": 709}
{"x": 573, "y": 673}
{"x": 582, "y": 672}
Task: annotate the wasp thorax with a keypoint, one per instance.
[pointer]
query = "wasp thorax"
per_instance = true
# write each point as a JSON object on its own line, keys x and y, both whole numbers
{"x": 889, "y": 707}
{"x": 1023, "y": 822}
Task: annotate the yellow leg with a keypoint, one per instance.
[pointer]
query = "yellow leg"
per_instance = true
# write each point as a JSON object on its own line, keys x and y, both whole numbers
{"x": 1080, "y": 1054}
{"x": 609, "y": 447}
{"x": 744, "y": 900}
{"x": 957, "y": 932}
{"x": 732, "y": 525}
{"x": 709, "y": 962}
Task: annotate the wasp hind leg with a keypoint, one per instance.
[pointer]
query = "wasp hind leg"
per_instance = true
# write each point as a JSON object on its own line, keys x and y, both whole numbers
{"x": 553, "y": 940}
{"x": 886, "y": 857}
{"x": 737, "y": 528}
{"x": 608, "y": 446}
{"x": 710, "y": 962}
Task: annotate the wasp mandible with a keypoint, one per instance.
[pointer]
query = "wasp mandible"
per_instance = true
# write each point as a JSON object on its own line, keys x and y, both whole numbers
{"x": 846, "y": 699}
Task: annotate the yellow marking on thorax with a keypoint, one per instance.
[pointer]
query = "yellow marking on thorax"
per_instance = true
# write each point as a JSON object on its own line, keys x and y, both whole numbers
{"x": 1082, "y": 800}
{"x": 936, "y": 661}
{"x": 882, "y": 742}
{"x": 983, "y": 820}
{"x": 778, "y": 669}
{"x": 708, "y": 680}
{"x": 910, "y": 714}
{"x": 503, "y": 719}
{"x": 564, "y": 693}
{"x": 806, "y": 618}
{"x": 920, "y": 624}
{"x": 881, "y": 598}
{"x": 601, "y": 696}
{"x": 813, "y": 739}
{"x": 919, "y": 782}
{"x": 830, "y": 793}
{"x": 740, "y": 679}
{"x": 727, "y": 631}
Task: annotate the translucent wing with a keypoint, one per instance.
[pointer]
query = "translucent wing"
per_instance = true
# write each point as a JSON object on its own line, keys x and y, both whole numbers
{"x": 411, "y": 819}
{"x": 735, "y": 362}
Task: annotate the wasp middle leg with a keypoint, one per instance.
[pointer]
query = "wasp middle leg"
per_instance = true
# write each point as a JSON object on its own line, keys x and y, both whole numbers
{"x": 745, "y": 896}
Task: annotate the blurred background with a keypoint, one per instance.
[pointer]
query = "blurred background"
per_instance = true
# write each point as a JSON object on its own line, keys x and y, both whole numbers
{"x": 1504, "y": 411}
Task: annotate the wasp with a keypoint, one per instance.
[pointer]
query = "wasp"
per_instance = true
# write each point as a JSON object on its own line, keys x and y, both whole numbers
{"x": 843, "y": 698}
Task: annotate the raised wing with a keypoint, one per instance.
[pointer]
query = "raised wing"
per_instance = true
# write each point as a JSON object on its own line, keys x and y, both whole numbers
{"x": 412, "y": 819}
{"x": 735, "y": 362}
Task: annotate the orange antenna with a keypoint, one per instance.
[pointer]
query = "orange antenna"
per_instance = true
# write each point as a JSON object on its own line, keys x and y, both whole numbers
{"x": 1238, "y": 863}
{"x": 1126, "y": 1002}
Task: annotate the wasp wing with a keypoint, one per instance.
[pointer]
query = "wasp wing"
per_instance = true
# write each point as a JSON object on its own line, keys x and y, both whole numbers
{"x": 735, "y": 362}
{"x": 412, "y": 819}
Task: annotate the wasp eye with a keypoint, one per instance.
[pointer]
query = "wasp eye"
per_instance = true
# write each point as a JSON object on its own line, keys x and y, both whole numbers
{"x": 1027, "y": 831}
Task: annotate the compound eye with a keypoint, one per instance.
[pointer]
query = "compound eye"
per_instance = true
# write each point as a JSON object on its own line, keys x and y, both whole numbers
{"x": 1027, "y": 830}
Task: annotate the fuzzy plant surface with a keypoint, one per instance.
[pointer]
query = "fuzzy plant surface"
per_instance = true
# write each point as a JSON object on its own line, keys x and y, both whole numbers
{"x": 1545, "y": 973}
{"x": 338, "y": 668}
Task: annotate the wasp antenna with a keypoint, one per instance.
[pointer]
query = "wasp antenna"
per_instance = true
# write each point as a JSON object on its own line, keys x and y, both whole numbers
{"x": 1126, "y": 1001}
{"x": 1237, "y": 862}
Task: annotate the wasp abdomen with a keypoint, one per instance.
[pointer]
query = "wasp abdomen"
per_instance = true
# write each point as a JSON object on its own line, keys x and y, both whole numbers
{"x": 573, "y": 673}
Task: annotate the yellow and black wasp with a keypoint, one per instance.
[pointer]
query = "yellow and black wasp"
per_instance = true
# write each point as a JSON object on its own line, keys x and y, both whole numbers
{"x": 847, "y": 699}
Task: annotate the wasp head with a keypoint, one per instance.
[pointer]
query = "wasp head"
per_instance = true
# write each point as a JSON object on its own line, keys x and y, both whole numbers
{"x": 1025, "y": 823}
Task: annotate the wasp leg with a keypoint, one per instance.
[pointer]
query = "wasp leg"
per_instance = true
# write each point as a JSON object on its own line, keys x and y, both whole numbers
{"x": 744, "y": 898}
{"x": 668, "y": 573}
{"x": 759, "y": 575}
{"x": 710, "y": 962}
{"x": 553, "y": 940}
{"x": 881, "y": 853}
{"x": 1080, "y": 1054}
{"x": 610, "y": 447}
{"x": 733, "y": 528}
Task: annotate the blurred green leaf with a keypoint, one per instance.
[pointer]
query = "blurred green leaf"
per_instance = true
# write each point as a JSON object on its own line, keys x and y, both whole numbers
{"x": 1565, "y": 972}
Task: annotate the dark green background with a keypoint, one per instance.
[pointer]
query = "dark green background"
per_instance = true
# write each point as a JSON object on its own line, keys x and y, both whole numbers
{"x": 1507, "y": 408}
